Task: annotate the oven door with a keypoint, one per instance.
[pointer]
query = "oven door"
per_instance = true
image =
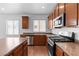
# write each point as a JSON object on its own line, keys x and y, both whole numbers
{"x": 50, "y": 48}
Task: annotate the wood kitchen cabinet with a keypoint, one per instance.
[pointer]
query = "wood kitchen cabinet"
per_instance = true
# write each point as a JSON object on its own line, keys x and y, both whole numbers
{"x": 36, "y": 38}
{"x": 71, "y": 14}
{"x": 56, "y": 11}
{"x": 71, "y": 11}
{"x": 18, "y": 51}
{"x": 25, "y": 49}
{"x": 61, "y": 8}
{"x": 78, "y": 14}
{"x": 50, "y": 20}
{"x": 58, "y": 51}
{"x": 25, "y": 22}
{"x": 21, "y": 50}
{"x": 39, "y": 40}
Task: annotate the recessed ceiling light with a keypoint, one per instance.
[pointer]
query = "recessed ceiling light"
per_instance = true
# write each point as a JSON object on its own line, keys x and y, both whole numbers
{"x": 61, "y": 6}
{"x": 2, "y": 9}
{"x": 43, "y": 7}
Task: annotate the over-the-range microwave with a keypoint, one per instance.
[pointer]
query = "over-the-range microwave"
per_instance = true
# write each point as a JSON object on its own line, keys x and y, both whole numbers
{"x": 59, "y": 21}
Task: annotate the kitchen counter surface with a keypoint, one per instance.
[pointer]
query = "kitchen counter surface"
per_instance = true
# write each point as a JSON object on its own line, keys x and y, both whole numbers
{"x": 32, "y": 34}
{"x": 71, "y": 48}
{"x": 36, "y": 33}
{"x": 9, "y": 43}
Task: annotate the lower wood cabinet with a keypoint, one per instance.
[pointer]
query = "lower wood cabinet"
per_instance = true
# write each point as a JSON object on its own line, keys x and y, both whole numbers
{"x": 25, "y": 49}
{"x": 21, "y": 50}
{"x": 60, "y": 52}
{"x": 18, "y": 51}
{"x": 39, "y": 40}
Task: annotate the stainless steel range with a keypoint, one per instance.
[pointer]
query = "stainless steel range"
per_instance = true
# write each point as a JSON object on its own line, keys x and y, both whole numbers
{"x": 57, "y": 38}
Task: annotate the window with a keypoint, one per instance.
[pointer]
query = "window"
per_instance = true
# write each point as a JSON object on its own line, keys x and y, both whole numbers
{"x": 12, "y": 27}
{"x": 39, "y": 25}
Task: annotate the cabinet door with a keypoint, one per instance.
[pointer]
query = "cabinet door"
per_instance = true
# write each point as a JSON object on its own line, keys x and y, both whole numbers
{"x": 36, "y": 39}
{"x": 25, "y": 22}
{"x": 71, "y": 14}
{"x": 25, "y": 49}
{"x": 61, "y": 8}
{"x": 78, "y": 14}
{"x": 56, "y": 11}
{"x": 42, "y": 40}
{"x": 18, "y": 51}
{"x": 39, "y": 40}
{"x": 50, "y": 21}
{"x": 59, "y": 52}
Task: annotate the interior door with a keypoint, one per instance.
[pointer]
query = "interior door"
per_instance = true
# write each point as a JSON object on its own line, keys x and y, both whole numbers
{"x": 35, "y": 26}
{"x": 42, "y": 25}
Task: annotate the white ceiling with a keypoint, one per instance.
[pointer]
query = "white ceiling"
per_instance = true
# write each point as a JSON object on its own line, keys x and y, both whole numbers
{"x": 26, "y": 8}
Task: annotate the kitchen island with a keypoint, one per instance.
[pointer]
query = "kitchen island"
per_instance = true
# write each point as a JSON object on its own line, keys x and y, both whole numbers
{"x": 13, "y": 46}
{"x": 36, "y": 39}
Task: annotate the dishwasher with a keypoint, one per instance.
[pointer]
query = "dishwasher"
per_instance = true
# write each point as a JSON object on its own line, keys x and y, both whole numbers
{"x": 29, "y": 40}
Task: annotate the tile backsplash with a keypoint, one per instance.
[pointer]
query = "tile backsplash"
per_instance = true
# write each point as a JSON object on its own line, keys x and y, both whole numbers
{"x": 65, "y": 30}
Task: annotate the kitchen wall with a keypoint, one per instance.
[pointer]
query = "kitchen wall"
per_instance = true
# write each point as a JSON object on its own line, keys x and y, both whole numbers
{"x": 66, "y": 29}
{"x": 4, "y": 18}
{"x": 36, "y": 17}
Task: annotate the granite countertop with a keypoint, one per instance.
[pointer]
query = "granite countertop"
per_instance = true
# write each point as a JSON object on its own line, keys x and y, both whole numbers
{"x": 71, "y": 48}
{"x": 9, "y": 43}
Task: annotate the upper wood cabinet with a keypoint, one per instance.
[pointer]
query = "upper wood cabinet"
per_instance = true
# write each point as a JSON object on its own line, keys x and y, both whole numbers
{"x": 61, "y": 8}
{"x": 56, "y": 11}
{"x": 50, "y": 21}
{"x": 25, "y": 22}
{"x": 71, "y": 11}
{"x": 78, "y": 14}
{"x": 71, "y": 14}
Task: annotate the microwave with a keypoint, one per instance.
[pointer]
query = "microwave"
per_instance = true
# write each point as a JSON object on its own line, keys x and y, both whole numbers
{"x": 59, "y": 21}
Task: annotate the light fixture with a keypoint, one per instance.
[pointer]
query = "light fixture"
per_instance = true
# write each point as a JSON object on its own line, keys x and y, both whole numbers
{"x": 43, "y": 7}
{"x": 2, "y": 9}
{"x": 61, "y": 6}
